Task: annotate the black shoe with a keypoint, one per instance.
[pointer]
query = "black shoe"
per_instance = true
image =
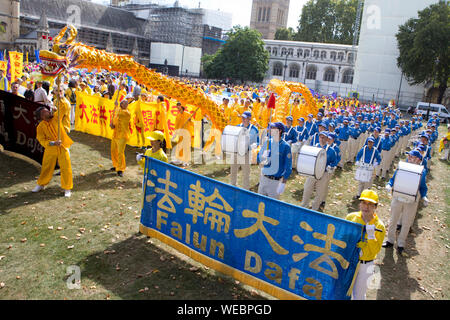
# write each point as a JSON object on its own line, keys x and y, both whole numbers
{"x": 58, "y": 173}
{"x": 120, "y": 173}
{"x": 356, "y": 197}
{"x": 112, "y": 169}
{"x": 400, "y": 250}
{"x": 399, "y": 227}
{"x": 387, "y": 244}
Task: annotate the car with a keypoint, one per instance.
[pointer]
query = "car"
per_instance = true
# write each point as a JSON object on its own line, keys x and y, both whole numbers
{"x": 424, "y": 108}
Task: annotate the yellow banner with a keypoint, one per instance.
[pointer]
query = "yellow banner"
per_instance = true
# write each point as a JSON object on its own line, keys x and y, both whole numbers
{"x": 4, "y": 66}
{"x": 16, "y": 64}
{"x": 93, "y": 115}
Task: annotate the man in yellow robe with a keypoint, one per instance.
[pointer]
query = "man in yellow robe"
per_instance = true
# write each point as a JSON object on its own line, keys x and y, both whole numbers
{"x": 56, "y": 149}
{"x": 121, "y": 134}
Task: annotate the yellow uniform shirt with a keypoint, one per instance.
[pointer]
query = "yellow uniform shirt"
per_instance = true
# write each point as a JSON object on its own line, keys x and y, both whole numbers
{"x": 122, "y": 124}
{"x": 370, "y": 248}
{"x": 64, "y": 109}
{"x": 158, "y": 155}
{"x": 47, "y": 131}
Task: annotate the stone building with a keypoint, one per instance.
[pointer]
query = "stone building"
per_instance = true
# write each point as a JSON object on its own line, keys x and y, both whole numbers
{"x": 269, "y": 15}
{"x": 128, "y": 27}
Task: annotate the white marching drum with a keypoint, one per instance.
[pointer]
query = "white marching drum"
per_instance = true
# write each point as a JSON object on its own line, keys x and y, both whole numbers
{"x": 235, "y": 140}
{"x": 312, "y": 161}
{"x": 364, "y": 173}
{"x": 407, "y": 182}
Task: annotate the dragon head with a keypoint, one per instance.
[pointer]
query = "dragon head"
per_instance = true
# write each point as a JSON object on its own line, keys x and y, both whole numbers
{"x": 56, "y": 60}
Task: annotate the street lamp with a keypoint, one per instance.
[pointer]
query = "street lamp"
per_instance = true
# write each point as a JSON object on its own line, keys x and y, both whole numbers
{"x": 285, "y": 64}
{"x": 436, "y": 62}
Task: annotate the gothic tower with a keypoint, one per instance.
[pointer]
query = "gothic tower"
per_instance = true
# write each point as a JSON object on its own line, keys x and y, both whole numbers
{"x": 268, "y": 16}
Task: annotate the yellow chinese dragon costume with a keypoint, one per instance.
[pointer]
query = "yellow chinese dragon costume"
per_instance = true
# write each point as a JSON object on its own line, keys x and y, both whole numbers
{"x": 70, "y": 54}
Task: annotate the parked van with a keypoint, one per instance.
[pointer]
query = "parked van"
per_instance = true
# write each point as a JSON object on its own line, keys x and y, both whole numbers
{"x": 442, "y": 112}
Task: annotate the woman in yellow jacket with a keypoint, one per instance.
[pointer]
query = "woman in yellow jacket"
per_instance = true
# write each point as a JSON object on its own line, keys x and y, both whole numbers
{"x": 121, "y": 126}
{"x": 56, "y": 149}
{"x": 156, "y": 151}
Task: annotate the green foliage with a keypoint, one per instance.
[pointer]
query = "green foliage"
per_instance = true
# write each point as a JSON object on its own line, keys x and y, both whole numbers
{"x": 327, "y": 21}
{"x": 243, "y": 57}
{"x": 285, "y": 34}
{"x": 423, "y": 44}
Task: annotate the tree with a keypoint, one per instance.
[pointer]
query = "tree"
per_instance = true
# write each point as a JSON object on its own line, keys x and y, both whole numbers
{"x": 423, "y": 45}
{"x": 243, "y": 57}
{"x": 285, "y": 34}
{"x": 327, "y": 21}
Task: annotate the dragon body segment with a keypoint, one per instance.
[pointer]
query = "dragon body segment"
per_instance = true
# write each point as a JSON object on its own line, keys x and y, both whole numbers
{"x": 284, "y": 89}
{"x": 78, "y": 55}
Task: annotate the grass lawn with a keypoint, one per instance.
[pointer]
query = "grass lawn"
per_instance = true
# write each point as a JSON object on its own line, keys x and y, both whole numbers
{"x": 43, "y": 234}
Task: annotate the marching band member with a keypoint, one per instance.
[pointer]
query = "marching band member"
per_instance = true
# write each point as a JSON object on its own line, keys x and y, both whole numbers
{"x": 55, "y": 150}
{"x": 373, "y": 240}
{"x": 277, "y": 159}
{"x": 385, "y": 149}
{"x": 244, "y": 161}
{"x": 405, "y": 211}
{"x": 367, "y": 156}
{"x": 315, "y": 138}
{"x": 320, "y": 185}
{"x": 311, "y": 126}
{"x": 343, "y": 135}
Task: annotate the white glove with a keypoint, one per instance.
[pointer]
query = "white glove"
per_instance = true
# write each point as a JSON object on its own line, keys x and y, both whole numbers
{"x": 370, "y": 229}
{"x": 281, "y": 187}
{"x": 265, "y": 154}
{"x": 254, "y": 145}
{"x": 425, "y": 201}
{"x": 139, "y": 156}
{"x": 388, "y": 188}
{"x": 330, "y": 168}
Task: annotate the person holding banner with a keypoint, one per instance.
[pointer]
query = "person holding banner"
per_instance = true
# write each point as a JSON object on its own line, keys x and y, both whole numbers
{"x": 121, "y": 126}
{"x": 277, "y": 159}
{"x": 156, "y": 151}
{"x": 56, "y": 144}
{"x": 4, "y": 83}
{"x": 370, "y": 246}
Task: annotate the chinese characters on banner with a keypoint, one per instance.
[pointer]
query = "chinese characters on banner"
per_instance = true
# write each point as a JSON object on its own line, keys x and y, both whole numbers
{"x": 16, "y": 65}
{"x": 288, "y": 251}
{"x": 93, "y": 116}
{"x": 18, "y": 126}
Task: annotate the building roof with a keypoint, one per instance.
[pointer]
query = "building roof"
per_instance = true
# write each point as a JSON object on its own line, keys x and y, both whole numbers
{"x": 90, "y": 14}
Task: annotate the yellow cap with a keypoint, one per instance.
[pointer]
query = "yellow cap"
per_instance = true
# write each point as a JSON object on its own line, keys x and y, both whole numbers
{"x": 369, "y": 195}
{"x": 156, "y": 135}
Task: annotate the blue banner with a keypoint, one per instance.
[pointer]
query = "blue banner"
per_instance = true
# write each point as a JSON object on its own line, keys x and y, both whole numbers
{"x": 287, "y": 251}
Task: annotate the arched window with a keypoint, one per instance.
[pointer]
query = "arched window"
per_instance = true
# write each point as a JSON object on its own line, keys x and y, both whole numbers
{"x": 274, "y": 51}
{"x": 348, "y": 76}
{"x": 350, "y": 57}
{"x": 299, "y": 53}
{"x": 306, "y": 54}
{"x": 323, "y": 55}
{"x": 333, "y": 55}
{"x": 316, "y": 54}
{"x": 311, "y": 72}
{"x": 340, "y": 56}
{"x": 294, "y": 70}
{"x": 283, "y": 51}
{"x": 291, "y": 51}
{"x": 329, "y": 75}
{"x": 277, "y": 69}
{"x": 269, "y": 49}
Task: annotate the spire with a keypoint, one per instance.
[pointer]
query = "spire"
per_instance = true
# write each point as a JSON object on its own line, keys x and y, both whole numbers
{"x": 43, "y": 24}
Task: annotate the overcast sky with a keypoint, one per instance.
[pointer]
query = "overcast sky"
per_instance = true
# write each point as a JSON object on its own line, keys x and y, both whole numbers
{"x": 240, "y": 9}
